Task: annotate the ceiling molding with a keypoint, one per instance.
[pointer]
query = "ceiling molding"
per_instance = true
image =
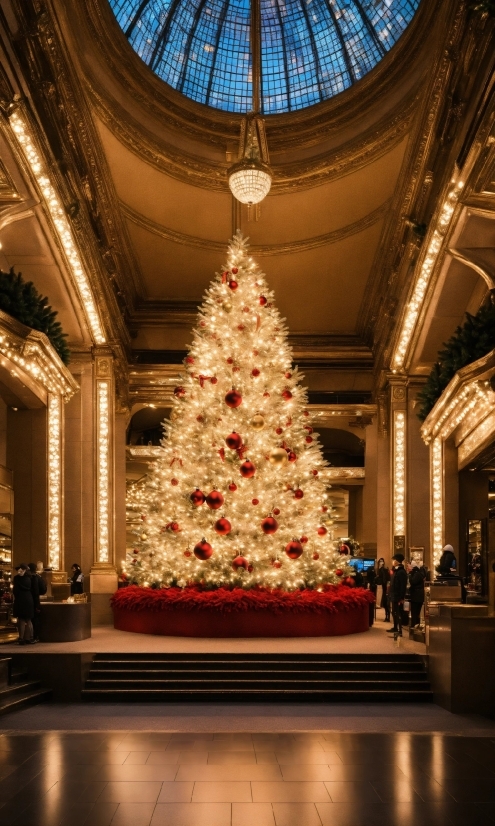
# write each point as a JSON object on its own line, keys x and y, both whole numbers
{"x": 260, "y": 250}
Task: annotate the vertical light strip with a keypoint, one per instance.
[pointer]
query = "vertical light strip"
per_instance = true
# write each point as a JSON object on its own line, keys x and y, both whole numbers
{"x": 103, "y": 469}
{"x": 59, "y": 218}
{"x": 414, "y": 306}
{"x": 399, "y": 473}
{"x": 54, "y": 481}
{"x": 437, "y": 498}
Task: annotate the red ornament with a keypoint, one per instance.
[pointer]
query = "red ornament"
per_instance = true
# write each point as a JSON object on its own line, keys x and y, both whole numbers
{"x": 197, "y": 497}
{"x": 214, "y": 380}
{"x": 291, "y": 456}
{"x": 322, "y": 531}
{"x": 234, "y": 441}
{"x": 294, "y": 549}
{"x": 202, "y": 323}
{"x": 223, "y": 526}
{"x": 233, "y": 285}
{"x": 247, "y": 469}
{"x": 324, "y": 508}
{"x": 179, "y": 392}
{"x": 316, "y": 556}
{"x": 187, "y": 553}
{"x": 314, "y": 472}
{"x": 269, "y": 525}
{"x": 255, "y": 352}
{"x": 309, "y": 439}
{"x": 250, "y": 569}
{"x": 214, "y": 500}
{"x": 255, "y": 372}
{"x": 174, "y": 482}
{"x": 279, "y": 431}
{"x": 276, "y": 511}
{"x": 303, "y": 540}
{"x": 262, "y": 300}
{"x": 175, "y": 527}
{"x": 203, "y": 550}
{"x": 287, "y": 395}
{"x": 135, "y": 551}
{"x": 199, "y": 418}
{"x": 232, "y": 487}
{"x": 266, "y": 394}
{"x": 288, "y": 375}
{"x": 230, "y": 360}
{"x": 308, "y": 428}
{"x": 233, "y": 398}
{"x": 339, "y": 572}
{"x": 255, "y": 501}
{"x": 240, "y": 327}
{"x": 348, "y": 580}
{"x": 234, "y": 270}
{"x": 240, "y": 562}
{"x": 298, "y": 494}
{"x": 277, "y": 564}
{"x": 189, "y": 360}
{"x": 305, "y": 413}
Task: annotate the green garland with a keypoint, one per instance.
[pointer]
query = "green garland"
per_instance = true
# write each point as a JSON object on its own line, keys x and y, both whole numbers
{"x": 469, "y": 343}
{"x": 484, "y": 6}
{"x": 22, "y": 301}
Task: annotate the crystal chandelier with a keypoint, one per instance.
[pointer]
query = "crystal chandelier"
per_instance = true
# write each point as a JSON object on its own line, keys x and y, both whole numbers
{"x": 250, "y": 178}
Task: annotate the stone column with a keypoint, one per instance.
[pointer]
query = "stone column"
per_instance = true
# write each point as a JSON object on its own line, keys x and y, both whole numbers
{"x": 398, "y": 458}
{"x": 418, "y": 478}
{"x": 103, "y": 577}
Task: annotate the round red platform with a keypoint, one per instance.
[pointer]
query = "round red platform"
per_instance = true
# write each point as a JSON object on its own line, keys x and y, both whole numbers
{"x": 205, "y": 622}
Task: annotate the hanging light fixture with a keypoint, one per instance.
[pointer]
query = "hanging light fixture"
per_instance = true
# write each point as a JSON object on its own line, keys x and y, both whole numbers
{"x": 250, "y": 178}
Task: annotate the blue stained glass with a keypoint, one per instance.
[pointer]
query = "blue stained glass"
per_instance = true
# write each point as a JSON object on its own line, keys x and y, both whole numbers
{"x": 310, "y": 49}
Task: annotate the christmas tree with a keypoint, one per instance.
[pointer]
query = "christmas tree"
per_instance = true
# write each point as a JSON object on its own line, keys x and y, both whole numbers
{"x": 236, "y": 497}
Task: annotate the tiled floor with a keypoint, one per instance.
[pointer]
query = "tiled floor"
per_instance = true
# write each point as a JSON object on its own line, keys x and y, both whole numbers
{"x": 176, "y": 779}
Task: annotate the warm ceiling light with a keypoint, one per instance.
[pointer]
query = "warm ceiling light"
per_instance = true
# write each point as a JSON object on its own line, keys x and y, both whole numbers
{"x": 250, "y": 177}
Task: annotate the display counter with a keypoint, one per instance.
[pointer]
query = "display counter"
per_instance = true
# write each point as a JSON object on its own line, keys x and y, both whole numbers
{"x": 65, "y": 622}
{"x": 461, "y": 658}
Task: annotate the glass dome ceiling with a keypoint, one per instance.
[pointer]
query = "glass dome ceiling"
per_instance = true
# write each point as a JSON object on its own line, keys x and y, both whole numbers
{"x": 310, "y": 49}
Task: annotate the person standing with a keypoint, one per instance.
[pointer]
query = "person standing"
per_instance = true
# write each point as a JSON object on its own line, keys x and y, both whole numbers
{"x": 23, "y": 604}
{"x": 417, "y": 591}
{"x": 397, "y": 593}
{"x": 76, "y": 580}
{"x": 39, "y": 589}
{"x": 383, "y": 579}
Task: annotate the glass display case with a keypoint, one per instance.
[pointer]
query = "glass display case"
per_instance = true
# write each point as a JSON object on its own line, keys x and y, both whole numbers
{"x": 476, "y": 579}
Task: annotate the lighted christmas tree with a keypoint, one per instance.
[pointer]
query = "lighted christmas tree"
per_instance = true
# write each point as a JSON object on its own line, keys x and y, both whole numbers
{"x": 236, "y": 497}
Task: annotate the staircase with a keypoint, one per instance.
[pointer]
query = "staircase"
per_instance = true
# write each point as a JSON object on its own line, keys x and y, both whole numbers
{"x": 257, "y": 678}
{"x": 17, "y": 690}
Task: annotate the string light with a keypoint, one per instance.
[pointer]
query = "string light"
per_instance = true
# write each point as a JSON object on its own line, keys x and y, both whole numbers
{"x": 399, "y": 473}
{"x": 437, "y": 501}
{"x": 414, "y": 306}
{"x": 59, "y": 218}
{"x": 103, "y": 463}
{"x": 54, "y": 481}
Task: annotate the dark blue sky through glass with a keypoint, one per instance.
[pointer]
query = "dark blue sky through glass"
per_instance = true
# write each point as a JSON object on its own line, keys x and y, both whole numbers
{"x": 311, "y": 49}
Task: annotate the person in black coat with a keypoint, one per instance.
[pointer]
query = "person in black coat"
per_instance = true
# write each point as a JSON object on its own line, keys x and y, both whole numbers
{"x": 23, "y": 604}
{"x": 383, "y": 578}
{"x": 397, "y": 592}
{"x": 38, "y": 587}
{"x": 417, "y": 591}
{"x": 76, "y": 580}
{"x": 448, "y": 563}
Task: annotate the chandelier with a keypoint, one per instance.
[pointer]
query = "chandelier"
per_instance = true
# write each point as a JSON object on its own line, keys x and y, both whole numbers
{"x": 250, "y": 178}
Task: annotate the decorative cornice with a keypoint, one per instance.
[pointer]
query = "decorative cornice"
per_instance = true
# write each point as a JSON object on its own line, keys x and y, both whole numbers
{"x": 260, "y": 250}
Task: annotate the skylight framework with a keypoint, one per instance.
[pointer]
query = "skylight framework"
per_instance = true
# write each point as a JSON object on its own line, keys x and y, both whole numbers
{"x": 311, "y": 50}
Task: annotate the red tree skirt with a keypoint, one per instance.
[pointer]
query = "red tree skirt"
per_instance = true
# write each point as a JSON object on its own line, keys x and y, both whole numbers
{"x": 190, "y": 612}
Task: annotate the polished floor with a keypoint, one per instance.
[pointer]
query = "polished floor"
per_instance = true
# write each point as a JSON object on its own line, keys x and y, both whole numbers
{"x": 280, "y": 779}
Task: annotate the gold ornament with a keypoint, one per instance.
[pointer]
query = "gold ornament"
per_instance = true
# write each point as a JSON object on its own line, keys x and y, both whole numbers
{"x": 144, "y": 537}
{"x": 257, "y": 422}
{"x": 278, "y": 457}
{"x": 227, "y": 306}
